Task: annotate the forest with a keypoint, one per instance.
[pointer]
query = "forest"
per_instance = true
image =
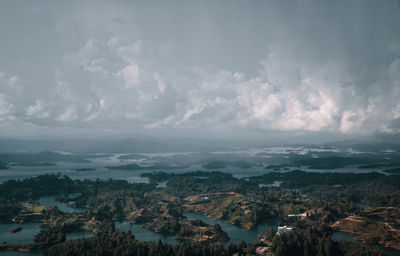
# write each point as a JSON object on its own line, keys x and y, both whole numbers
{"x": 310, "y": 203}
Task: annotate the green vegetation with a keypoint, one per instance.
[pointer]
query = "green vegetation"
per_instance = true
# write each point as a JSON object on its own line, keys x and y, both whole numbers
{"x": 374, "y": 225}
{"x": 315, "y": 242}
{"x": 119, "y": 243}
{"x": 301, "y": 179}
{"x": 393, "y": 170}
{"x": 309, "y": 242}
{"x": 311, "y": 203}
{"x": 3, "y": 166}
{"x": 332, "y": 162}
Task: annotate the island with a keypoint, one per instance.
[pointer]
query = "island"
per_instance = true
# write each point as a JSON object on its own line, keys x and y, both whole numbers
{"x": 307, "y": 207}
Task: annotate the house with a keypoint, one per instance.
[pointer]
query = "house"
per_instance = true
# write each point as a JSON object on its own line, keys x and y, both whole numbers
{"x": 284, "y": 229}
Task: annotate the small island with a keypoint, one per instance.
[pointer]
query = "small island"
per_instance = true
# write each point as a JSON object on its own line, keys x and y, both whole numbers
{"x": 302, "y": 201}
{"x": 15, "y": 230}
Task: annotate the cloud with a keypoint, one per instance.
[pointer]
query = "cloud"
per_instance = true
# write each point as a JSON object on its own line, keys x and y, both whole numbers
{"x": 130, "y": 74}
{"x": 188, "y": 73}
{"x": 5, "y": 107}
{"x": 68, "y": 115}
{"x": 287, "y": 95}
{"x": 38, "y": 110}
{"x": 118, "y": 20}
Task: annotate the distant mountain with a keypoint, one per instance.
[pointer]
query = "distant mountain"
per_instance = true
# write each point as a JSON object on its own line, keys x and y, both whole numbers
{"x": 159, "y": 145}
{"x": 3, "y": 166}
{"x": 38, "y": 159}
{"x": 130, "y": 145}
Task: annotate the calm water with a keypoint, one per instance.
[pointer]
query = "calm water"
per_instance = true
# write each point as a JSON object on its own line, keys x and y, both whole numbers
{"x": 344, "y": 236}
{"x": 100, "y": 171}
{"x": 51, "y": 201}
{"x": 25, "y": 236}
{"x": 361, "y": 205}
{"x": 16, "y": 253}
{"x": 162, "y": 184}
{"x": 97, "y": 164}
{"x": 236, "y": 234}
{"x": 144, "y": 234}
{"x": 30, "y": 229}
{"x": 79, "y": 234}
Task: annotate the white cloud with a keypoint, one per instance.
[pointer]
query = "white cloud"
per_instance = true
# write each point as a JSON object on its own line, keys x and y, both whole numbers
{"x": 14, "y": 81}
{"x": 5, "y": 107}
{"x": 111, "y": 84}
{"x": 352, "y": 121}
{"x": 68, "y": 115}
{"x": 131, "y": 75}
{"x": 38, "y": 110}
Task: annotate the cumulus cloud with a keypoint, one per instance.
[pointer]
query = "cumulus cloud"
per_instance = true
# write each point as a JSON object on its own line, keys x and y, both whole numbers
{"x": 285, "y": 96}
{"x": 5, "y": 107}
{"x": 311, "y": 77}
{"x": 130, "y": 74}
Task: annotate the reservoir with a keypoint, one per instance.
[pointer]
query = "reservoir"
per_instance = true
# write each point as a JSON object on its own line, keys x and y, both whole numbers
{"x": 79, "y": 234}
{"x": 25, "y": 236}
{"x": 144, "y": 234}
{"x": 51, "y": 201}
{"x": 235, "y": 233}
{"x": 344, "y": 236}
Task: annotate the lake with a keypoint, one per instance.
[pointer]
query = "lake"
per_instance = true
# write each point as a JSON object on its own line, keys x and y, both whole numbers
{"x": 51, "y": 201}
{"x": 30, "y": 229}
{"x": 96, "y": 168}
{"x": 79, "y": 234}
{"x": 236, "y": 233}
{"x": 344, "y": 236}
{"x": 25, "y": 236}
{"x": 16, "y": 253}
{"x": 144, "y": 234}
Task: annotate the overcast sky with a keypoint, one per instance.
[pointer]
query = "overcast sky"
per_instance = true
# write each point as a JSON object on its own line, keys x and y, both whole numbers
{"x": 200, "y": 68}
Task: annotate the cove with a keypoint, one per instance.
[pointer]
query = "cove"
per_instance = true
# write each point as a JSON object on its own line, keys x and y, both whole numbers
{"x": 236, "y": 233}
{"x": 345, "y": 236}
{"x": 51, "y": 201}
{"x": 25, "y": 236}
{"x": 17, "y": 253}
{"x": 144, "y": 234}
{"x": 79, "y": 234}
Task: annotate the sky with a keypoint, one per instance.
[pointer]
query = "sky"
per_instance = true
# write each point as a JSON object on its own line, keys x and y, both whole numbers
{"x": 226, "y": 68}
